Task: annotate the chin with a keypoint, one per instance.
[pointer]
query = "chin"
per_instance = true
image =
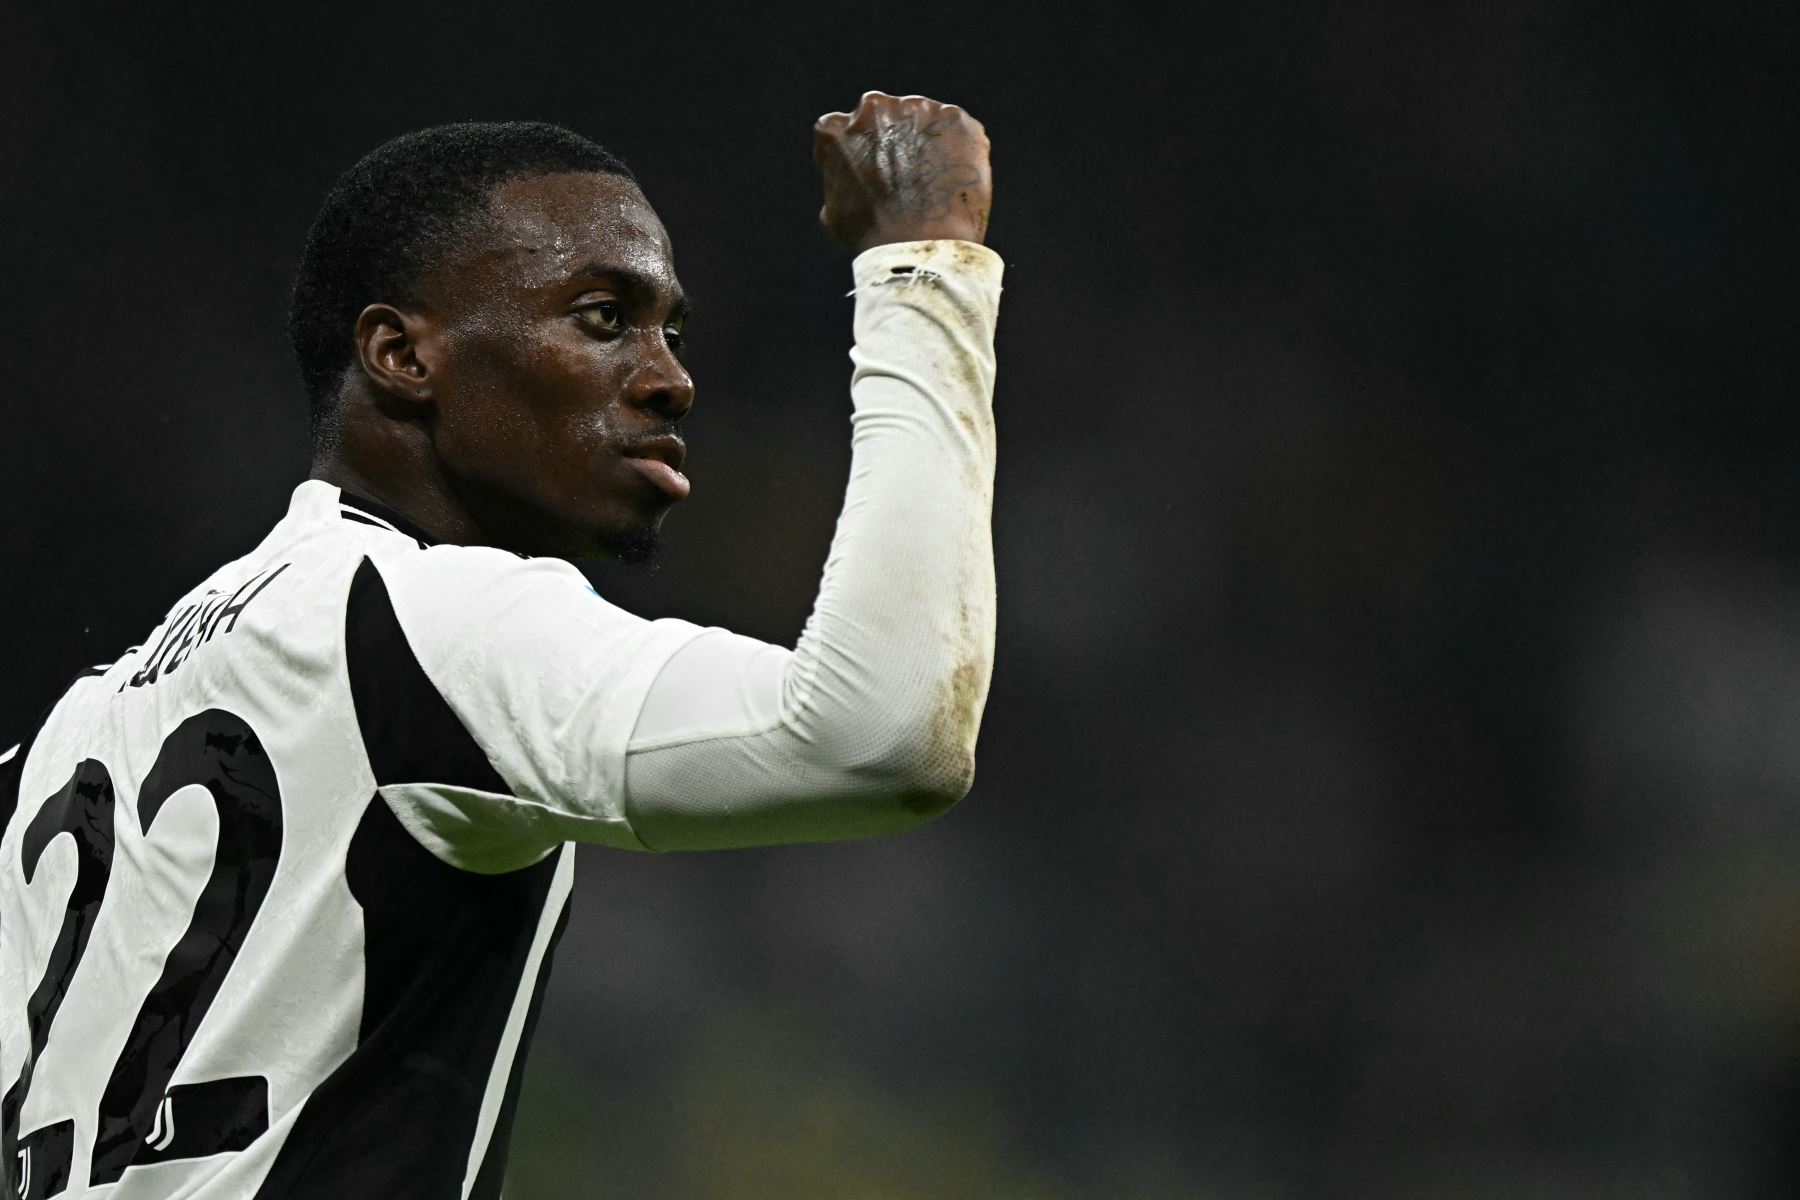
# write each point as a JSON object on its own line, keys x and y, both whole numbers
{"x": 636, "y": 540}
{"x": 640, "y": 545}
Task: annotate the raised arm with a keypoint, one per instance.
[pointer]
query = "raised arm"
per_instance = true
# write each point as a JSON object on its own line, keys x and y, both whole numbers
{"x": 869, "y": 724}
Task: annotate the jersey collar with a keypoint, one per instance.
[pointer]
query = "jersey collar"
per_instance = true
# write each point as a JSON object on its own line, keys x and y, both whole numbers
{"x": 387, "y": 515}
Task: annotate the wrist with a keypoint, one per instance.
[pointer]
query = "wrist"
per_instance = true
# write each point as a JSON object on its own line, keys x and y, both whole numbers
{"x": 938, "y": 231}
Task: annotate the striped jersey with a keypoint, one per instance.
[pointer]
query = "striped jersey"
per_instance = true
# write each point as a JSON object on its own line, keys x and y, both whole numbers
{"x": 279, "y": 889}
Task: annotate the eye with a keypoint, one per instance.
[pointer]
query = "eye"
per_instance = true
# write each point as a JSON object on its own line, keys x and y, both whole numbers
{"x": 675, "y": 336}
{"x": 603, "y": 316}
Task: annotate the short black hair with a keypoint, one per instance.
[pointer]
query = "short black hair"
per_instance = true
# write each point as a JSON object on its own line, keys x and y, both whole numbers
{"x": 388, "y": 220}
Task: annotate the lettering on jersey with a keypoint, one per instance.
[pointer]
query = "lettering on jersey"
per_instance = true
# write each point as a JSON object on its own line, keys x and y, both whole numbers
{"x": 196, "y": 624}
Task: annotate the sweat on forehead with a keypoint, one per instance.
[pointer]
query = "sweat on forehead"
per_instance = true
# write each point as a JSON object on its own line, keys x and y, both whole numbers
{"x": 546, "y": 213}
{"x": 543, "y": 228}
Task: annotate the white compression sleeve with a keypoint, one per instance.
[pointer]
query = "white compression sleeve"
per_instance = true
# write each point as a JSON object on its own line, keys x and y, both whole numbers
{"x": 868, "y": 725}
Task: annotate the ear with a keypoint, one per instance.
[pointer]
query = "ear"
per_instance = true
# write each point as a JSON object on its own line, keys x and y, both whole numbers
{"x": 391, "y": 349}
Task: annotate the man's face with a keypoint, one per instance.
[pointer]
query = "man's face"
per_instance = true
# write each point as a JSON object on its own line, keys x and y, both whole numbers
{"x": 553, "y": 343}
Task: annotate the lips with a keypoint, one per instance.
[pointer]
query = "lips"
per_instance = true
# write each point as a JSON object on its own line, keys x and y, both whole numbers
{"x": 664, "y": 449}
{"x": 659, "y": 460}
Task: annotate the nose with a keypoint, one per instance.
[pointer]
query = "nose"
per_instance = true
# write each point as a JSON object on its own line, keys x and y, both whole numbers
{"x": 660, "y": 383}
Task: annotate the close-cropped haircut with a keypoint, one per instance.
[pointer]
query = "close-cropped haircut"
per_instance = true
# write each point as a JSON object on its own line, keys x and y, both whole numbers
{"x": 389, "y": 219}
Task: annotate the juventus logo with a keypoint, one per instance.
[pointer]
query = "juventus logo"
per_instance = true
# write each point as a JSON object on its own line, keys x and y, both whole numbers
{"x": 162, "y": 1131}
{"x": 24, "y": 1173}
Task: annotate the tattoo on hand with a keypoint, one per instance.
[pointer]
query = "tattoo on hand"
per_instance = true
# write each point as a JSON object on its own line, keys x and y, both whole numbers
{"x": 927, "y": 186}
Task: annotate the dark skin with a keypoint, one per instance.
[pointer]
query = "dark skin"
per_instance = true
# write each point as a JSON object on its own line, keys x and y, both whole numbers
{"x": 530, "y": 397}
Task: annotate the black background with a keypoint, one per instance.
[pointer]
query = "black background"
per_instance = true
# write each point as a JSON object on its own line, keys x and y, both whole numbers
{"x": 1391, "y": 782}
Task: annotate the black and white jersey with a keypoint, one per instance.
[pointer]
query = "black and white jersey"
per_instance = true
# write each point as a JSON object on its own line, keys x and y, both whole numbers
{"x": 279, "y": 889}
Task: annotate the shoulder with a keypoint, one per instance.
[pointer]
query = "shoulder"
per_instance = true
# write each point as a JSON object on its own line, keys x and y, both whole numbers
{"x": 480, "y": 590}
{"x": 479, "y": 566}
{"x": 471, "y": 614}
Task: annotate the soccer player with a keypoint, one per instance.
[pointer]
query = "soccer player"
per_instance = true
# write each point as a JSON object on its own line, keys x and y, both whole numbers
{"x": 279, "y": 889}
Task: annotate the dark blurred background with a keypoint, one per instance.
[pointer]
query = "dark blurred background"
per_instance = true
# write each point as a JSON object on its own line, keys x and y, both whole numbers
{"x": 1391, "y": 782}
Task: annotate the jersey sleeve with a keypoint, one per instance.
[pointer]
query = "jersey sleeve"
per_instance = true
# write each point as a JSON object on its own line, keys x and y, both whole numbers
{"x": 496, "y": 697}
{"x": 868, "y": 725}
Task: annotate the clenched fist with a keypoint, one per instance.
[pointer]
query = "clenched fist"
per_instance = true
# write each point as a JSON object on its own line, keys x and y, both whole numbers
{"x": 902, "y": 169}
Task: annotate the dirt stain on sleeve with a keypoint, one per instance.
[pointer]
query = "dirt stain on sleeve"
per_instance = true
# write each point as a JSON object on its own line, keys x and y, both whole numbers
{"x": 950, "y": 747}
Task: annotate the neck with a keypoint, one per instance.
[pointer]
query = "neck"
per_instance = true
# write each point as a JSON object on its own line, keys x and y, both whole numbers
{"x": 392, "y": 464}
{"x": 432, "y": 510}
